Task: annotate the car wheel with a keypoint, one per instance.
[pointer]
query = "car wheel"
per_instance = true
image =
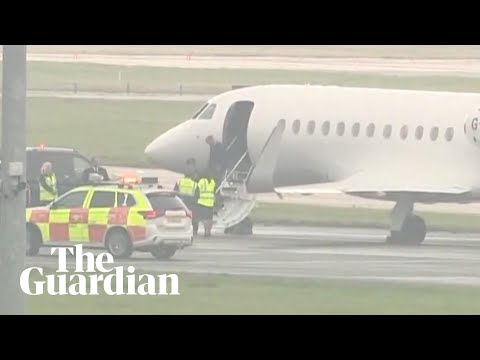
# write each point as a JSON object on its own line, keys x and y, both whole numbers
{"x": 34, "y": 241}
{"x": 118, "y": 244}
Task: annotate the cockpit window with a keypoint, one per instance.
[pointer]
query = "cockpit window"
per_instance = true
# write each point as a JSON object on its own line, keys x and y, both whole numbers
{"x": 207, "y": 114}
{"x": 197, "y": 114}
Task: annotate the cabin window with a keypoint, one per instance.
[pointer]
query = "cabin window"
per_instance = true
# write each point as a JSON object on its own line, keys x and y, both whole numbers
{"x": 419, "y": 133}
{"x": 311, "y": 127}
{"x": 434, "y": 134}
{"x": 326, "y": 128}
{"x": 356, "y": 129}
{"x": 387, "y": 131}
{"x": 296, "y": 127}
{"x": 208, "y": 113}
{"x": 370, "y": 130}
{"x": 404, "y": 132}
{"x": 449, "y": 133}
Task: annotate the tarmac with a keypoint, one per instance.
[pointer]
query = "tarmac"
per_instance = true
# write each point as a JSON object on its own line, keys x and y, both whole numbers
{"x": 319, "y": 253}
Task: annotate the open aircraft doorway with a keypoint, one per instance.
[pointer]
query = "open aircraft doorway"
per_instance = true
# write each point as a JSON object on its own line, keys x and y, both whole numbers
{"x": 235, "y": 135}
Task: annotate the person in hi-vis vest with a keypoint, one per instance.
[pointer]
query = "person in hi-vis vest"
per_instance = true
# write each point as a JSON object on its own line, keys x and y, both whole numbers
{"x": 206, "y": 202}
{"x": 48, "y": 184}
{"x": 187, "y": 190}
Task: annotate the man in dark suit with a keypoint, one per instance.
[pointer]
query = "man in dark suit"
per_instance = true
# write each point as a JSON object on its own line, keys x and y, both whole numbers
{"x": 95, "y": 169}
{"x": 218, "y": 158}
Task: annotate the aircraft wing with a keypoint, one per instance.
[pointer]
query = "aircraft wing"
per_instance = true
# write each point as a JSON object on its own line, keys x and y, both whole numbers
{"x": 387, "y": 184}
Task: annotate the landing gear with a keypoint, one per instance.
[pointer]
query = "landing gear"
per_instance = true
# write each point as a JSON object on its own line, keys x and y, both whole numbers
{"x": 163, "y": 252}
{"x": 413, "y": 232}
{"x": 407, "y": 228}
{"x": 243, "y": 228}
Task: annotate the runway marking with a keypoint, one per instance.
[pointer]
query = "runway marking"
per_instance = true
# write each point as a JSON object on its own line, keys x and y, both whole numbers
{"x": 447, "y": 280}
{"x": 458, "y": 67}
{"x": 381, "y": 235}
{"x": 417, "y": 253}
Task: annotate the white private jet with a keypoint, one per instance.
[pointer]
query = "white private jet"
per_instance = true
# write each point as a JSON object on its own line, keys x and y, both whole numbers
{"x": 396, "y": 145}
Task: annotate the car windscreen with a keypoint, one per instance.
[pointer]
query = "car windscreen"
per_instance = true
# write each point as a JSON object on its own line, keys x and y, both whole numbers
{"x": 165, "y": 201}
{"x": 62, "y": 163}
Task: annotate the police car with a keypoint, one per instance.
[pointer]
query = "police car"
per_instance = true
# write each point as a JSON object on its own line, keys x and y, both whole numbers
{"x": 122, "y": 218}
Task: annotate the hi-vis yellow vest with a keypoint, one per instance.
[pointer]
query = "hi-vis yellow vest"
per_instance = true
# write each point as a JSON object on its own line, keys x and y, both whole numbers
{"x": 44, "y": 194}
{"x": 207, "y": 193}
{"x": 186, "y": 186}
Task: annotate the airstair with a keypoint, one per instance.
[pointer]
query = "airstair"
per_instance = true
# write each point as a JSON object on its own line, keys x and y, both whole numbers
{"x": 237, "y": 203}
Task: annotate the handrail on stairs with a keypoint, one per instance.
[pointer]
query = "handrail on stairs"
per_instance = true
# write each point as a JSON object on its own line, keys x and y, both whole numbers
{"x": 236, "y": 214}
{"x": 231, "y": 172}
{"x": 231, "y": 144}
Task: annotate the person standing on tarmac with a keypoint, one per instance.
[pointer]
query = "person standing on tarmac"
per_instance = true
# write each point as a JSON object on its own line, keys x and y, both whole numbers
{"x": 47, "y": 184}
{"x": 95, "y": 169}
{"x": 187, "y": 189}
{"x": 206, "y": 201}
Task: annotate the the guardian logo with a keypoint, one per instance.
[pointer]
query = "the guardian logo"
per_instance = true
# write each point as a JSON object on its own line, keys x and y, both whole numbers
{"x": 97, "y": 275}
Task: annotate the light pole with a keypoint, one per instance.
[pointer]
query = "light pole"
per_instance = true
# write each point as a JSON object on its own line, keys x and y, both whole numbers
{"x": 12, "y": 186}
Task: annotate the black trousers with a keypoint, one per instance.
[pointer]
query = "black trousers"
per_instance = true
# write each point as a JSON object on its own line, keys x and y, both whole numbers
{"x": 195, "y": 226}
{"x": 189, "y": 202}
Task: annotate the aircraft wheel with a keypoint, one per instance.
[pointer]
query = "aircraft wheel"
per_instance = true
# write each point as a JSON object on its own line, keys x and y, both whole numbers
{"x": 243, "y": 228}
{"x": 413, "y": 232}
{"x": 163, "y": 252}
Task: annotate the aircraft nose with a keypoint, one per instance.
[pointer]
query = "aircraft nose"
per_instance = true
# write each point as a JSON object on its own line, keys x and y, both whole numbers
{"x": 171, "y": 150}
{"x": 150, "y": 151}
{"x": 158, "y": 150}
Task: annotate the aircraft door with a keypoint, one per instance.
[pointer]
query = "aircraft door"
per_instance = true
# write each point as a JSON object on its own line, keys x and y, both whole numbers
{"x": 235, "y": 134}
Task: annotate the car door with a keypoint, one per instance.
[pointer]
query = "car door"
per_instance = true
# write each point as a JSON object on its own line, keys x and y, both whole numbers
{"x": 99, "y": 206}
{"x": 68, "y": 218}
{"x": 62, "y": 167}
{"x": 34, "y": 164}
{"x": 80, "y": 164}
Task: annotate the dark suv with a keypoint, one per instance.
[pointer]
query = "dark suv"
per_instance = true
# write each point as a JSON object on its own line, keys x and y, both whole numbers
{"x": 68, "y": 166}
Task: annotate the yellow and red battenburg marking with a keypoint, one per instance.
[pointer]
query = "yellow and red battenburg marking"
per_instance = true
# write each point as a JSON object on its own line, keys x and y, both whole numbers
{"x": 79, "y": 216}
{"x": 60, "y": 231}
{"x": 118, "y": 216}
{"x": 96, "y": 233}
{"x": 40, "y": 216}
{"x": 137, "y": 232}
